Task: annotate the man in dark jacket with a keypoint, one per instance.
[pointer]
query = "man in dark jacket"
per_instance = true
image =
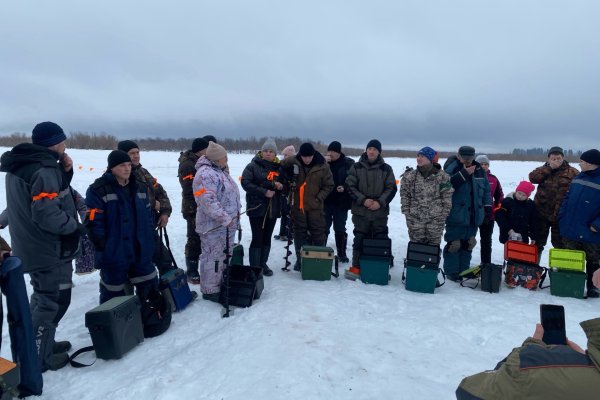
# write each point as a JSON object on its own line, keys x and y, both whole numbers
{"x": 471, "y": 204}
{"x": 338, "y": 202}
{"x": 579, "y": 216}
{"x": 313, "y": 184}
{"x": 159, "y": 201}
{"x": 44, "y": 230}
{"x": 186, "y": 172}
{"x": 553, "y": 180}
{"x": 372, "y": 187}
{"x": 120, "y": 227}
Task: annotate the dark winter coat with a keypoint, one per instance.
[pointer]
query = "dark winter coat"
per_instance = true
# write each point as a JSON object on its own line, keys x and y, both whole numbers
{"x": 313, "y": 184}
{"x": 41, "y": 208}
{"x": 119, "y": 223}
{"x": 471, "y": 194}
{"x": 187, "y": 171}
{"x": 496, "y": 192}
{"x": 537, "y": 371}
{"x": 520, "y": 216}
{"x": 581, "y": 208}
{"x": 552, "y": 186}
{"x": 339, "y": 171}
{"x": 258, "y": 177}
{"x": 371, "y": 181}
{"x": 157, "y": 192}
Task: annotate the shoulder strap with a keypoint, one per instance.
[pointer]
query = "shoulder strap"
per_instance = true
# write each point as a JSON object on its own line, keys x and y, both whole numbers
{"x": 543, "y": 278}
{"x": 77, "y": 364}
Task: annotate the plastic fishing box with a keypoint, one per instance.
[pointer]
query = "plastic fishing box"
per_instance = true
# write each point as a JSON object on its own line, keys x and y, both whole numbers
{"x": 316, "y": 262}
{"x": 564, "y": 259}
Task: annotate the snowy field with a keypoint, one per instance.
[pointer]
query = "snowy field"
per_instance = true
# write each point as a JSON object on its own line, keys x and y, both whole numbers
{"x": 305, "y": 339}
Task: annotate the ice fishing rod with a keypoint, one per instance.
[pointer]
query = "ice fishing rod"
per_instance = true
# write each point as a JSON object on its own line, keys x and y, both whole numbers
{"x": 237, "y": 216}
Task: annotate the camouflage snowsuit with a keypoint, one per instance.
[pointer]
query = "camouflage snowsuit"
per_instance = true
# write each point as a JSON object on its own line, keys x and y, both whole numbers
{"x": 426, "y": 202}
{"x": 218, "y": 200}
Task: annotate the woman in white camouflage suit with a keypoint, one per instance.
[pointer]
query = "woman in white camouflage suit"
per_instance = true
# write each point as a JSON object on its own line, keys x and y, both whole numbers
{"x": 218, "y": 200}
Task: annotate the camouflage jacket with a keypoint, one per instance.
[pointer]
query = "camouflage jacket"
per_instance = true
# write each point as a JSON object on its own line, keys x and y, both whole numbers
{"x": 187, "y": 171}
{"x": 552, "y": 186}
{"x": 156, "y": 190}
{"x": 426, "y": 198}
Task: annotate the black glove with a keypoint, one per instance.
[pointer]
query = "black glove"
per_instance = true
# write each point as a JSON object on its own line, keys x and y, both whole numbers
{"x": 70, "y": 243}
{"x": 487, "y": 212}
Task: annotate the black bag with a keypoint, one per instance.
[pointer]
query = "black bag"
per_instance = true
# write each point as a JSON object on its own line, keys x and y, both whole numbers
{"x": 425, "y": 254}
{"x": 491, "y": 277}
{"x": 156, "y": 314}
{"x": 246, "y": 284}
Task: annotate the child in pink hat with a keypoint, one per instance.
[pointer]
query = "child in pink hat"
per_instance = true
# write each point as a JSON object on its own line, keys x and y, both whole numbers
{"x": 517, "y": 216}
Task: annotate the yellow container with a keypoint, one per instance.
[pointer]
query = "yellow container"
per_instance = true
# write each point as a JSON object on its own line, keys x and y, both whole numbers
{"x": 573, "y": 260}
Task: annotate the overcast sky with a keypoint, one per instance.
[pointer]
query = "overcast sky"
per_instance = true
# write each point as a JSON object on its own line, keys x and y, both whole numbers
{"x": 494, "y": 74}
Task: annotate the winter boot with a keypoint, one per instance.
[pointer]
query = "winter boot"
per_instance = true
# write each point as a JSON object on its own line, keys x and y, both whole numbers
{"x": 44, "y": 341}
{"x": 264, "y": 257}
{"x": 61, "y": 347}
{"x": 352, "y": 273}
{"x": 212, "y": 297}
{"x": 340, "y": 243}
{"x": 254, "y": 254}
{"x": 297, "y": 265}
{"x": 193, "y": 276}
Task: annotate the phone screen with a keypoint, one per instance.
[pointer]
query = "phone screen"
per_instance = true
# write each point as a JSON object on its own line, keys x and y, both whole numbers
{"x": 553, "y": 321}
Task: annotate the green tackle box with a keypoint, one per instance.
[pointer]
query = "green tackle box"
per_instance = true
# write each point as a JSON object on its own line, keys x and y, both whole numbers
{"x": 316, "y": 262}
{"x": 567, "y": 283}
{"x": 564, "y": 259}
{"x": 374, "y": 269}
{"x": 420, "y": 278}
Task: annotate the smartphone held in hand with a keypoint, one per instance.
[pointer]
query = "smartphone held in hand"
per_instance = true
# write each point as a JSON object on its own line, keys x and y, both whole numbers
{"x": 552, "y": 318}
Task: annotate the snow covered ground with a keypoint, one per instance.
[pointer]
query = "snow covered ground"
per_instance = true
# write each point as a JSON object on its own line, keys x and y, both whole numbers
{"x": 305, "y": 339}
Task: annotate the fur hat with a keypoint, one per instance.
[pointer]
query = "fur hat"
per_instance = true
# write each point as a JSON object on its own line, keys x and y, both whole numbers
{"x": 199, "y": 144}
{"x": 591, "y": 156}
{"x": 466, "y": 151}
{"x": 307, "y": 150}
{"x": 556, "y": 149}
{"x": 289, "y": 151}
{"x": 483, "y": 159}
{"x": 215, "y": 152}
{"x": 117, "y": 157}
{"x": 335, "y": 146}
{"x": 374, "y": 143}
{"x": 126, "y": 145}
{"x": 47, "y": 134}
{"x": 269, "y": 144}
{"x": 525, "y": 187}
{"x": 428, "y": 153}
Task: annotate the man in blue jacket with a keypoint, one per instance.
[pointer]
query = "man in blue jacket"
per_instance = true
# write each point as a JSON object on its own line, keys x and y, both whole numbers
{"x": 120, "y": 226}
{"x": 579, "y": 216}
{"x": 471, "y": 204}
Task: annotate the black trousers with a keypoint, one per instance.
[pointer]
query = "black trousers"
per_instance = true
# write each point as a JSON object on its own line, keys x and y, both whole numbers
{"x": 261, "y": 236}
{"x": 485, "y": 240}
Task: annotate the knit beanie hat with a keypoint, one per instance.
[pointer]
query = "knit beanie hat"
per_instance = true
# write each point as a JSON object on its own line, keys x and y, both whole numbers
{"x": 374, "y": 143}
{"x": 591, "y": 156}
{"x": 428, "y": 153}
{"x": 289, "y": 151}
{"x": 525, "y": 187}
{"x": 556, "y": 149}
{"x": 199, "y": 144}
{"x": 483, "y": 159}
{"x": 307, "y": 150}
{"x": 117, "y": 157}
{"x": 269, "y": 144}
{"x": 215, "y": 152}
{"x": 47, "y": 134}
{"x": 335, "y": 146}
{"x": 466, "y": 151}
{"x": 210, "y": 138}
{"x": 126, "y": 145}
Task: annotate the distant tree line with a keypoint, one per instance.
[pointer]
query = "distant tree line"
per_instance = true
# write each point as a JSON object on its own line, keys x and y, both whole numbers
{"x": 105, "y": 141}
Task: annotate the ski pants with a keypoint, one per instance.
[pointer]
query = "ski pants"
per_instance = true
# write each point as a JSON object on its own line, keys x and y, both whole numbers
{"x": 212, "y": 259}
{"x": 458, "y": 261}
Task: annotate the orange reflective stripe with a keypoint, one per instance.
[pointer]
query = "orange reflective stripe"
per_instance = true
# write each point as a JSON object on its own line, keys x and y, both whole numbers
{"x": 44, "y": 195}
{"x": 155, "y": 184}
{"x": 93, "y": 212}
{"x": 199, "y": 192}
{"x": 272, "y": 175}
{"x": 301, "y": 193}
{"x": 188, "y": 177}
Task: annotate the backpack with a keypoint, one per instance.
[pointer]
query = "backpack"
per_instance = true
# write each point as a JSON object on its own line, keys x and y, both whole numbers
{"x": 529, "y": 276}
{"x": 156, "y": 314}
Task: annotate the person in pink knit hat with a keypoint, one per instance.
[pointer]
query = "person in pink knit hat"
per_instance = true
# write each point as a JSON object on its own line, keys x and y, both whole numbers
{"x": 518, "y": 216}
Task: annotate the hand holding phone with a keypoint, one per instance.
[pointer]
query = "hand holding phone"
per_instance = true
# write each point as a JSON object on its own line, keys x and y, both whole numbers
{"x": 552, "y": 318}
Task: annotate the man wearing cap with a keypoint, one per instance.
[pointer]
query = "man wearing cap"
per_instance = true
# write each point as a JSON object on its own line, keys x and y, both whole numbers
{"x": 579, "y": 216}
{"x": 120, "y": 226}
{"x": 338, "y": 202}
{"x": 159, "y": 201}
{"x": 486, "y": 229}
{"x": 471, "y": 204}
{"x": 187, "y": 170}
{"x": 553, "y": 180}
{"x": 45, "y": 231}
{"x": 426, "y": 198}
{"x": 313, "y": 182}
{"x": 372, "y": 186}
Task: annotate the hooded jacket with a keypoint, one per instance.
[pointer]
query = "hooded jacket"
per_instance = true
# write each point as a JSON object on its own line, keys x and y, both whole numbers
{"x": 186, "y": 172}
{"x": 580, "y": 209}
{"x": 339, "y": 171}
{"x": 258, "y": 177}
{"x": 552, "y": 186}
{"x": 41, "y": 208}
{"x": 375, "y": 181}
{"x": 313, "y": 183}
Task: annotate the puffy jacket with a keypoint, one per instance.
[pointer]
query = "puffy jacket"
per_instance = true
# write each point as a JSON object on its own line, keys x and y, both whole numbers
{"x": 313, "y": 183}
{"x": 471, "y": 194}
{"x": 371, "y": 181}
{"x": 119, "y": 222}
{"x": 339, "y": 170}
{"x": 426, "y": 198}
{"x": 536, "y": 371}
{"x": 157, "y": 192}
{"x": 520, "y": 216}
{"x": 217, "y": 196}
{"x": 41, "y": 209}
{"x": 496, "y": 192}
{"x": 258, "y": 177}
{"x": 581, "y": 208}
{"x": 186, "y": 172}
{"x": 552, "y": 186}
